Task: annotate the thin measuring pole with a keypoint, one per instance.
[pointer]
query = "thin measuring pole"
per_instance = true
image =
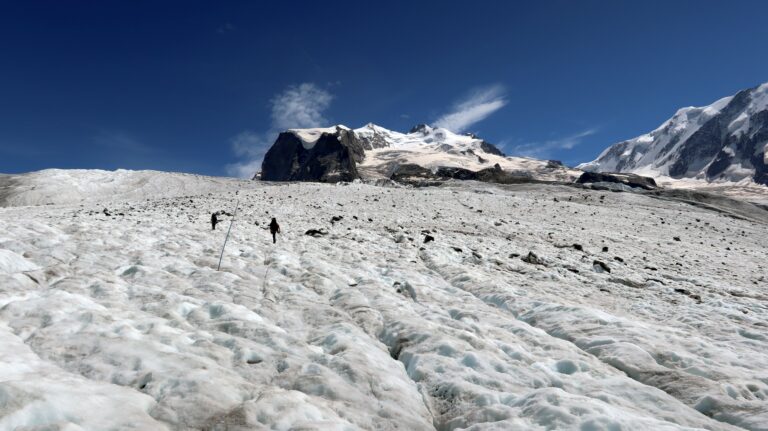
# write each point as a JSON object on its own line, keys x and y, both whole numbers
{"x": 228, "y": 230}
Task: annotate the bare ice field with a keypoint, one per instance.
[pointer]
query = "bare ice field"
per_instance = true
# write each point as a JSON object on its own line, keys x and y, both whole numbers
{"x": 631, "y": 313}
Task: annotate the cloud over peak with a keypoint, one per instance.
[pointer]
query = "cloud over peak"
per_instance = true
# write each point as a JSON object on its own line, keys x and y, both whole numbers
{"x": 296, "y": 107}
{"x": 300, "y": 106}
{"x": 476, "y": 107}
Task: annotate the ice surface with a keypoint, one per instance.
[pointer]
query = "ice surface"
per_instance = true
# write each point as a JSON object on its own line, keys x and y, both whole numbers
{"x": 111, "y": 321}
{"x": 11, "y": 263}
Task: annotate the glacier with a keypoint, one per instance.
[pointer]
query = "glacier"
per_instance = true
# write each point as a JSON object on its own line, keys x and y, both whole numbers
{"x": 113, "y": 315}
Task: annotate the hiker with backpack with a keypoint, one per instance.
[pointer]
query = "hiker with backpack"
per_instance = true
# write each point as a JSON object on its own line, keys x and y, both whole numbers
{"x": 274, "y": 229}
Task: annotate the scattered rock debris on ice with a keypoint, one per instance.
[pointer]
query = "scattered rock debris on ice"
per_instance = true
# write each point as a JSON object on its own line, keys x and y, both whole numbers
{"x": 120, "y": 322}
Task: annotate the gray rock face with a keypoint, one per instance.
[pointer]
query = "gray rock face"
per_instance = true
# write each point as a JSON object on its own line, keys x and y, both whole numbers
{"x": 415, "y": 174}
{"x": 497, "y": 175}
{"x": 491, "y": 149}
{"x": 631, "y": 180}
{"x": 727, "y": 140}
{"x": 332, "y": 158}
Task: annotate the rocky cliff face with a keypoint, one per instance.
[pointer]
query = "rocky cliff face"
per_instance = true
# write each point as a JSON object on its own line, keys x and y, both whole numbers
{"x": 331, "y": 157}
{"x": 725, "y": 141}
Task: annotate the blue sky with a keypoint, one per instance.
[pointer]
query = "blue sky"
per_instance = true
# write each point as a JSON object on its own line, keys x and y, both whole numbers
{"x": 203, "y": 86}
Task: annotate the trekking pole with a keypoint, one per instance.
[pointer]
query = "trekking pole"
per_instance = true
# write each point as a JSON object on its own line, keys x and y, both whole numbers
{"x": 237, "y": 205}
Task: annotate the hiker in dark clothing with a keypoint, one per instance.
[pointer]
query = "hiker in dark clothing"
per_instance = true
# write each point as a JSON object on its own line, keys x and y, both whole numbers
{"x": 214, "y": 220}
{"x": 274, "y": 229}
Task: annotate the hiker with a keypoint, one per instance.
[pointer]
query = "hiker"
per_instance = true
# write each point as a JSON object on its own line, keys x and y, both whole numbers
{"x": 214, "y": 220}
{"x": 274, "y": 229}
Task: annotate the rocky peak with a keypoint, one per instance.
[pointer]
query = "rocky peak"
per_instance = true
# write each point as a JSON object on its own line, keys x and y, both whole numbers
{"x": 724, "y": 141}
{"x": 420, "y": 128}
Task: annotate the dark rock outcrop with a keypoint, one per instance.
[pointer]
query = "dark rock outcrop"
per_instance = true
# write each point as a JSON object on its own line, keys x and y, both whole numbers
{"x": 554, "y": 164}
{"x": 498, "y": 175}
{"x": 455, "y": 173}
{"x": 332, "y": 158}
{"x": 600, "y": 266}
{"x": 631, "y": 180}
{"x": 532, "y": 258}
{"x": 491, "y": 149}
{"x": 411, "y": 173}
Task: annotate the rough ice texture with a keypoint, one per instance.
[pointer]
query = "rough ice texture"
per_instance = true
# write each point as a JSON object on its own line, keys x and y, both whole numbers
{"x": 122, "y": 321}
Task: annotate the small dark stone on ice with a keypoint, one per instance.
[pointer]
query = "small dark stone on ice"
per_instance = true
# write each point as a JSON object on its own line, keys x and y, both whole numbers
{"x": 600, "y": 266}
{"x": 514, "y": 255}
{"x": 676, "y": 238}
{"x": 605, "y": 249}
{"x": 477, "y": 255}
{"x": 618, "y": 259}
{"x": 578, "y": 247}
{"x": 334, "y": 219}
{"x": 428, "y": 238}
{"x": 457, "y": 250}
{"x": 532, "y": 259}
{"x": 314, "y": 233}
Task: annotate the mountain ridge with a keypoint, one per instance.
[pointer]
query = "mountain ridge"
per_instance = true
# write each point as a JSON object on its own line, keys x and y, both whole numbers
{"x": 339, "y": 153}
{"x": 721, "y": 142}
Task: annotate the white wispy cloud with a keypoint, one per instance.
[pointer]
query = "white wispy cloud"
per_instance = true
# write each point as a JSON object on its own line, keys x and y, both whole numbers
{"x": 298, "y": 106}
{"x": 543, "y": 150}
{"x": 476, "y": 107}
{"x": 247, "y": 143}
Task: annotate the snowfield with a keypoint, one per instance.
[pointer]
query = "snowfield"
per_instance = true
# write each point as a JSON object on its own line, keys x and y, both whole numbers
{"x": 632, "y": 313}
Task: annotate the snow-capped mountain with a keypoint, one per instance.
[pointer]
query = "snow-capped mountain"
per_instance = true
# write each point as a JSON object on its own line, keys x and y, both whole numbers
{"x": 725, "y": 141}
{"x": 371, "y": 152}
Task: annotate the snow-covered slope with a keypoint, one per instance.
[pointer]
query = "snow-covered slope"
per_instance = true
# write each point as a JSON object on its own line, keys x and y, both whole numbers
{"x": 122, "y": 321}
{"x": 70, "y": 186}
{"x": 435, "y": 147}
{"x": 377, "y": 152}
{"x": 725, "y": 141}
